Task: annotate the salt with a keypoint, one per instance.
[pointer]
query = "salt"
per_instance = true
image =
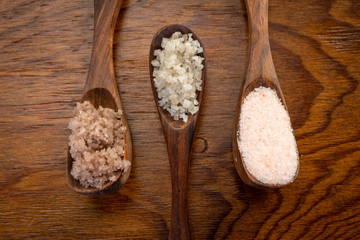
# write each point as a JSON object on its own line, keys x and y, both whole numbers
{"x": 177, "y": 74}
{"x": 97, "y": 145}
{"x": 266, "y": 140}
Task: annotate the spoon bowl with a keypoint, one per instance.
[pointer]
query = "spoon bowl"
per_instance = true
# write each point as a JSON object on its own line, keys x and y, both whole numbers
{"x": 261, "y": 72}
{"x": 101, "y": 89}
{"x": 179, "y": 136}
{"x": 166, "y": 32}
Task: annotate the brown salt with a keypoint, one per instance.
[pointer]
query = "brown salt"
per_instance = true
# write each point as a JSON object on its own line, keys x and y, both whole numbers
{"x": 96, "y": 145}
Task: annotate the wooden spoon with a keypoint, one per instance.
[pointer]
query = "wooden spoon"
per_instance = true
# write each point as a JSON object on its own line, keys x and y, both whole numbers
{"x": 261, "y": 72}
{"x": 179, "y": 137}
{"x": 101, "y": 87}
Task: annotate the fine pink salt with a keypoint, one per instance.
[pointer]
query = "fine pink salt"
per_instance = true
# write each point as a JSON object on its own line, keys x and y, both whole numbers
{"x": 96, "y": 145}
{"x": 266, "y": 140}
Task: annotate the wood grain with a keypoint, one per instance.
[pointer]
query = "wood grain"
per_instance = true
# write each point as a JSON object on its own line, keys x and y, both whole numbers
{"x": 45, "y": 49}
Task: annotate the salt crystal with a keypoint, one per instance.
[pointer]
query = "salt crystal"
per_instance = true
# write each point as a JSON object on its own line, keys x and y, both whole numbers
{"x": 177, "y": 74}
{"x": 96, "y": 136}
{"x": 266, "y": 140}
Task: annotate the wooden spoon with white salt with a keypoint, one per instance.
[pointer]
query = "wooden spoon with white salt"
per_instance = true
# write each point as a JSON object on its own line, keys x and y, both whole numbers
{"x": 260, "y": 168}
{"x": 101, "y": 88}
{"x": 179, "y": 136}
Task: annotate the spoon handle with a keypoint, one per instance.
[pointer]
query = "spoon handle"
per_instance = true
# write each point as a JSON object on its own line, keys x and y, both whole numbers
{"x": 101, "y": 70}
{"x": 260, "y": 63}
{"x": 179, "y": 147}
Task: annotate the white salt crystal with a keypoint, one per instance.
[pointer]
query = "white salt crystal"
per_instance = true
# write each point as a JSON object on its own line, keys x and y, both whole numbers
{"x": 266, "y": 140}
{"x": 177, "y": 74}
{"x": 186, "y": 103}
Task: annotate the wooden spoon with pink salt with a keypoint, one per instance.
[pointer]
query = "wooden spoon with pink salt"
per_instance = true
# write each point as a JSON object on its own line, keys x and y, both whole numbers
{"x": 264, "y": 146}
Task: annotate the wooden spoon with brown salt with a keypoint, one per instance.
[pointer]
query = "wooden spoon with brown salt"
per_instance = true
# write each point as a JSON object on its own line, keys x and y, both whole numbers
{"x": 179, "y": 136}
{"x": 101, "y": 88}
{"x": 260, "y": 73}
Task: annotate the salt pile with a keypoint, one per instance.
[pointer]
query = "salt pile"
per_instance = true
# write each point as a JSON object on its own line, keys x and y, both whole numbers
{"x": 266, "y": 140}
{"x": 177, "y": 74}
{"x": 96, "y": 145}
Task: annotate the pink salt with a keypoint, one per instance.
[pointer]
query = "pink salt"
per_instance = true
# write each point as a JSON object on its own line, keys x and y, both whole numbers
{"x": 266, "y": 140}
{"x": 96, "y": 145}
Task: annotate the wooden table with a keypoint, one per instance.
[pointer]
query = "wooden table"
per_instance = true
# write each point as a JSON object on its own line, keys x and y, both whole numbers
{"x": 45, "y": 49}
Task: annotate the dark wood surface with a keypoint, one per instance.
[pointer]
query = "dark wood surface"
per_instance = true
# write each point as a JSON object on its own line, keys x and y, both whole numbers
{"x": 45, "y": 49}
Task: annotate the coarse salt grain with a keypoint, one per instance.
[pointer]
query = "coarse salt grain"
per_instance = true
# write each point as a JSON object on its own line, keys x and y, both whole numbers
{"x": 266, "y": 140}
{"x": 96, "y": 145}
{"x": 177, "y": 74}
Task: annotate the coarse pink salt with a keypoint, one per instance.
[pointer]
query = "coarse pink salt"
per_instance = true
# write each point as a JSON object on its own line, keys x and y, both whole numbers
{"x": 96, "y": 145}
{"x": 266, "y": 141}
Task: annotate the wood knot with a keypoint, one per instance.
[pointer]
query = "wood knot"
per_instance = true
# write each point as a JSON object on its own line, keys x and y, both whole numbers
{"x": 200, "y": 145}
